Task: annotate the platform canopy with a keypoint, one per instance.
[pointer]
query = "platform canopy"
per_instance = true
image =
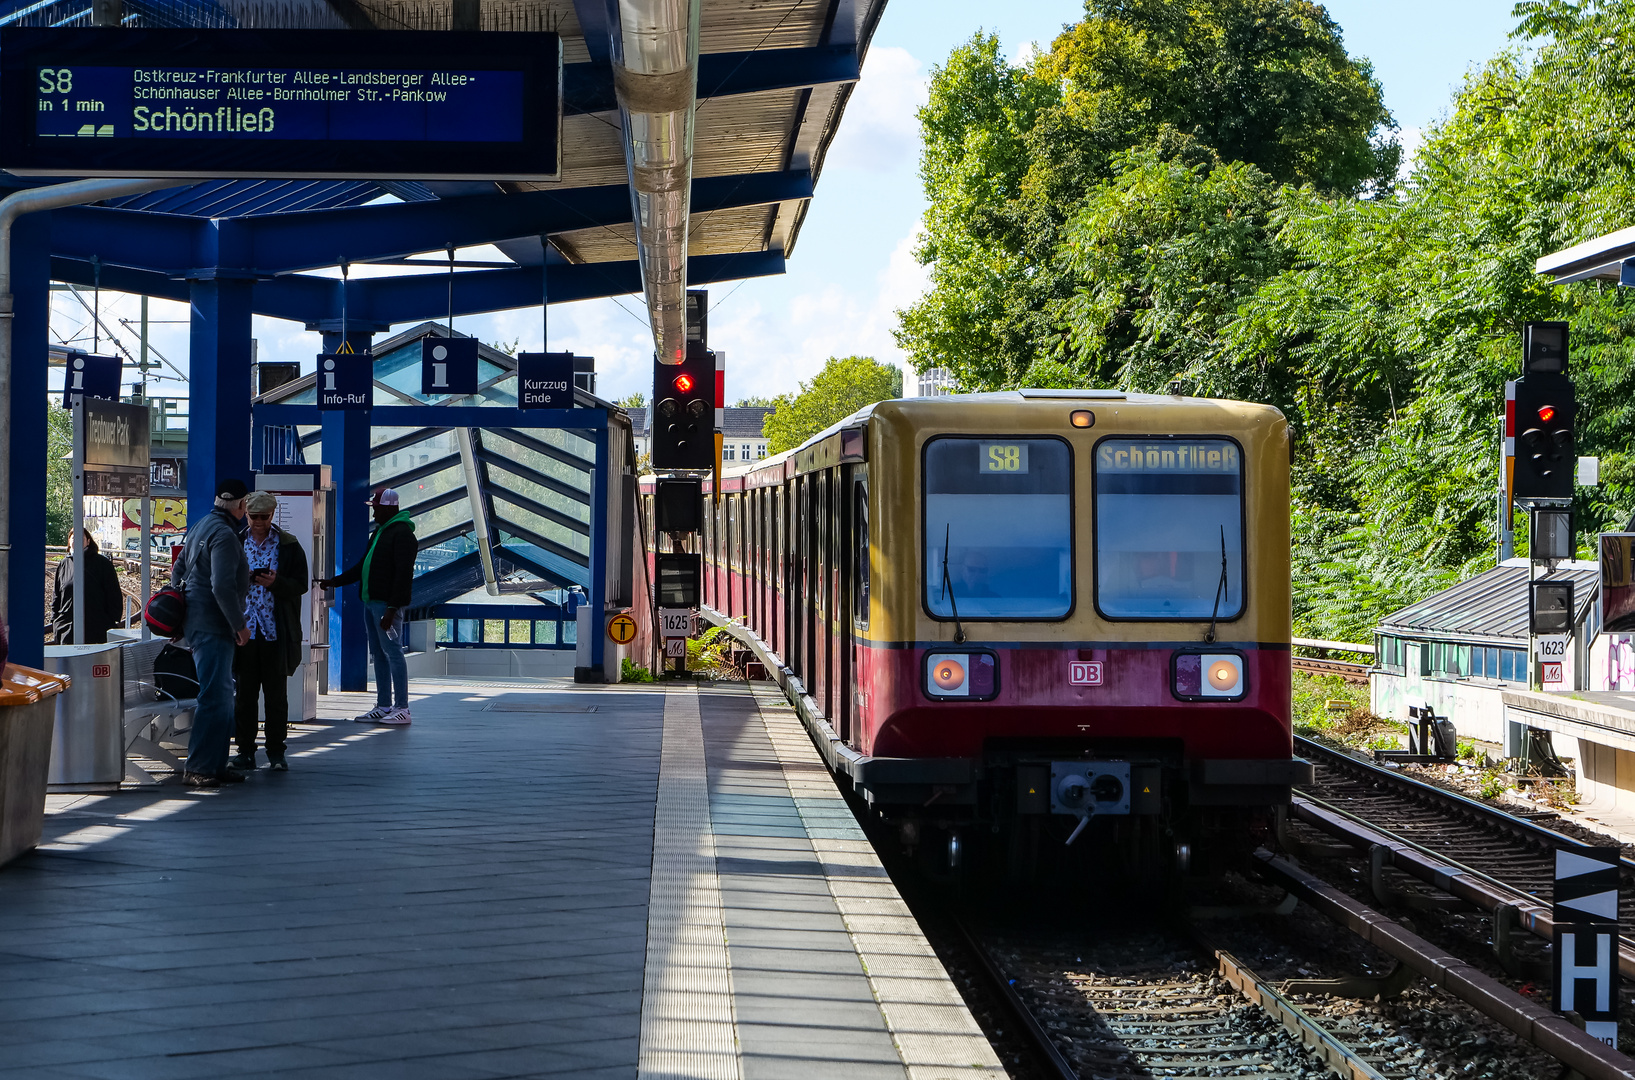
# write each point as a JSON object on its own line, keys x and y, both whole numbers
{"x": 772, "y": 83}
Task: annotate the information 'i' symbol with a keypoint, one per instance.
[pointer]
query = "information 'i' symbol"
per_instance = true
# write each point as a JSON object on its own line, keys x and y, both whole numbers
{"x": 439, "y": 372}
{"x": 79, "y": 373}
{"x": 329, "y": 374}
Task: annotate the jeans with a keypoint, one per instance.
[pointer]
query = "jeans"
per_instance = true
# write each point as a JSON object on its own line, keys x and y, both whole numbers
{"x": 259, "y": 669}
{"x": 389, "y": 660}
{"x": 207, "y": 743}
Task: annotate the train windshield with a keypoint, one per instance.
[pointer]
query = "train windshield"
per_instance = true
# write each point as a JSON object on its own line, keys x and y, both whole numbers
{"x": 998, "y": 528}
{"x": 1169, "y": 528}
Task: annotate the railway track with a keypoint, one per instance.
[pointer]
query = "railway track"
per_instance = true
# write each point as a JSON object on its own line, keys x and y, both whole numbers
{"x": 1152, "y": 1003}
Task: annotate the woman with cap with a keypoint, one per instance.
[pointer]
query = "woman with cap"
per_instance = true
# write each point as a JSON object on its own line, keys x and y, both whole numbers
{"x": 262, "y": 665}
{"x": 386, "y": 579}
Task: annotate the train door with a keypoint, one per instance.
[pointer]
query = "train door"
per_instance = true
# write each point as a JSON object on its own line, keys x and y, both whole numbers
{"x": 857, "y": 677}
{"x": 809, "y": 583}
{"x": 846, "y": 557}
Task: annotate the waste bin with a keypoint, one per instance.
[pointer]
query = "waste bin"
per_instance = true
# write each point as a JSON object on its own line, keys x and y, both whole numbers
{"x": 88, "y": 744}
{"x": 27, "y": 709}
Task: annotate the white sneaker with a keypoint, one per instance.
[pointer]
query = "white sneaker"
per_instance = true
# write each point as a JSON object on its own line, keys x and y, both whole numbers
{"x": 374, "y": 716}
{"x": 396, "y": 718}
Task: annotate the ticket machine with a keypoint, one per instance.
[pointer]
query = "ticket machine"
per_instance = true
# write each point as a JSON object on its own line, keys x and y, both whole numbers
{"x": 306, "y": 508}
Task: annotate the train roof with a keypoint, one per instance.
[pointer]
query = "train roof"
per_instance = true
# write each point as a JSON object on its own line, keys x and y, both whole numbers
{"x": 775, "y": 465}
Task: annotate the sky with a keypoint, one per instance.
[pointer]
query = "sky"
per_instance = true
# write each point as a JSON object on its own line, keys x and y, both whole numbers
{"x": 853, "y": 266}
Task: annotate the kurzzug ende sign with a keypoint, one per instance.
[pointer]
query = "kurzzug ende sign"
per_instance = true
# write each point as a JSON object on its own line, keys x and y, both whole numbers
{"x": 281, "y": 103}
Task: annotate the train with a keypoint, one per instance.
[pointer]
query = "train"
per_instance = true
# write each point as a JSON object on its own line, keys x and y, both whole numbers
{"x": 1027, "y": 624}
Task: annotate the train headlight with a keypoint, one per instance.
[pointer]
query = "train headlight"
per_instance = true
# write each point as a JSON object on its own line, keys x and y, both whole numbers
{"x": 969, "y": 676}
{"x": 1209, "y": 677}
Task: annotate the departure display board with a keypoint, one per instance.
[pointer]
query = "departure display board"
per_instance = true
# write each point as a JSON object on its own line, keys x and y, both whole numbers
{"x": 359, "y": 104}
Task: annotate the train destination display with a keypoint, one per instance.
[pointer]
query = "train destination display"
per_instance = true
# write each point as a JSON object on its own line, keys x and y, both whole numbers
{"x": 280, "y": 103}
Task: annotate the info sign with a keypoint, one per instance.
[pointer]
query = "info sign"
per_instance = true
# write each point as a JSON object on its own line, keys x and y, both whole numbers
{"x": 346, "y": 381}
{"x": 545, "y": 380}
{"x": 360, "y": 104}
{"x": 85, "y": 375}
{"x": 448, "y": 365}
{"x": 1586, "y": 938}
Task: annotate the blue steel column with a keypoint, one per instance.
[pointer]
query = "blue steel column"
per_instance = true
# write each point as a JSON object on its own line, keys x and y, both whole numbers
{"x": 218, "y": 425}
{"x": 598, "y": 551}
{"x": 346, "y": 452}
{"x": 30, "y": 285}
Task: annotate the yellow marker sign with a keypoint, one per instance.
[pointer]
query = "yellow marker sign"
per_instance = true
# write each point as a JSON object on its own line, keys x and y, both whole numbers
{"x": 621, "y": 629}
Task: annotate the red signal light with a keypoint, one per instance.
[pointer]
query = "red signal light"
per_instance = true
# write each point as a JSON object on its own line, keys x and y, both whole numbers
{"x": 684, "y": 384}
{"x": 1547, "y": 413}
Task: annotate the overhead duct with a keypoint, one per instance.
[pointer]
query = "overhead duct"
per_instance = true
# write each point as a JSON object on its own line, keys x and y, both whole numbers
{"x": 655, "y": 74}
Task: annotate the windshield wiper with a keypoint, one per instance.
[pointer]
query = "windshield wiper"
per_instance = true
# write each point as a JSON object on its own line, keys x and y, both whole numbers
{"x": 1220, "y": 590}
{"x": 948, "y": 585}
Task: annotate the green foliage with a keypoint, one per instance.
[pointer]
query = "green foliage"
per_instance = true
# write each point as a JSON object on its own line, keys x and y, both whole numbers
{"x": 845, "y": 385}
{"x": 1013, "y": 154}
{"x": 59, "y": 474}
{"x": 1165, "y": 196}
{"x": 638, "y": 400}
{"x": 711, "y": 653}
{"x": 633, "y": 672}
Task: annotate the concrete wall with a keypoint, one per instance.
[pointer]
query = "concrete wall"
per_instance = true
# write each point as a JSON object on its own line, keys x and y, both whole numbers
{"x": 1475, "y": 706}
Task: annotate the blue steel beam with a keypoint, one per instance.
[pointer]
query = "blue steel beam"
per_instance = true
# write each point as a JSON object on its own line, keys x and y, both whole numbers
{"x": 377, "y": 304}
{"x": 588, "y": 88}
{"x": 280, "y": 244}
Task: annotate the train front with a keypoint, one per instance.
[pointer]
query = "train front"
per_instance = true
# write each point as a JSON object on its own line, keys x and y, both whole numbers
{"x": 1095, "y": 634}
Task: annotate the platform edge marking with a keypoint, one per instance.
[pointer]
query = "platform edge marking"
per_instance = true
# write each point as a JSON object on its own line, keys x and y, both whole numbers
{"x": 935, "y": 1034}
{"x": 687, "y": 1030}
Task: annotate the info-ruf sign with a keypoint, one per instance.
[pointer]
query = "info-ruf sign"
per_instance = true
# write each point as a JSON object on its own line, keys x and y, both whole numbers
{"x": 360, "y": 104}
{"x": 346, "y": 381}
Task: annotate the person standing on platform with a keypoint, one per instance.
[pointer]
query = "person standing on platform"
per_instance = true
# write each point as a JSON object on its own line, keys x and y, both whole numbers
{"x": 263, "y": 665}
{"x": 104, "y": 603}
{"x": 214, "y": 575}
{"x": 386, "y": 577}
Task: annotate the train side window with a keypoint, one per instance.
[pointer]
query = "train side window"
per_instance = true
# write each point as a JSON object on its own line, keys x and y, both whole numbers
{"x": 1169, "y": 528}
{"x": 860, "y": 559}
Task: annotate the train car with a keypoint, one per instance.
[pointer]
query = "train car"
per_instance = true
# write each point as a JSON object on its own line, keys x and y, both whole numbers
{"x": 1031, "y": 619}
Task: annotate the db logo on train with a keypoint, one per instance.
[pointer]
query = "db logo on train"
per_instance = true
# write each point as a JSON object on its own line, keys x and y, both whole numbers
{"x": 1084, "y": 673}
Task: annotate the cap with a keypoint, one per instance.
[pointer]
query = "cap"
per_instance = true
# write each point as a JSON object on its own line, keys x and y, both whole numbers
{"x": 231, "y": 490}
{"x": 385, "y": 497}
{"x": 261, "y": 502}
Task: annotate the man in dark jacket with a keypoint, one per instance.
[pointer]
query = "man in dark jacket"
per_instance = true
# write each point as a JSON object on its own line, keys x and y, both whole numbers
{"x": 212, "y": 571}
{"x": 104, "y": 604}
{"x": 263, "y": 665}
{"x": 386, "y": 574}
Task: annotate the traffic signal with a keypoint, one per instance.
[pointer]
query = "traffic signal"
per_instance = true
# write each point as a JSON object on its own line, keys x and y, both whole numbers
{"x": 683, "y": 421}
{"x": 1546, "y": 454}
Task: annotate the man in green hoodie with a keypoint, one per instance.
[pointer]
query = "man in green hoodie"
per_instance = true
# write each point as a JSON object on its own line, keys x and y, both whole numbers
{"x": 386, "y": 577}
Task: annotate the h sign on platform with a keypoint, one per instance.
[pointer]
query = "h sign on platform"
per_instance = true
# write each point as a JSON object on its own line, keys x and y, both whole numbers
{"x": 448, "y": 366}
{"x": 346, "y": 381}
{"x": 545, "y": 380}
{"x": 1586, "y": 938}
{"x": 90, "y": 376}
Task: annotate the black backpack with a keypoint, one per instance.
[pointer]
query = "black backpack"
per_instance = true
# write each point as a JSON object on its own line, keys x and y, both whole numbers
{"x": 166, "y": 611}
{"x": 174, "y": 674}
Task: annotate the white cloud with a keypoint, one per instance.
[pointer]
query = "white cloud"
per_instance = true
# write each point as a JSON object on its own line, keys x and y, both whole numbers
{"x": 1411, "y": 139}
{"x": 881, "y": 130}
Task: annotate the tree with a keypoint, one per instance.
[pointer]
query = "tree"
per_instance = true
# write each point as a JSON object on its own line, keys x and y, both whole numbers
{"x": 1012, "y": 154}
{"x": 59, "y": 473}
{"x": 638, "y": 400}
{"x": 844, "y": 386}
{"x": 756, "y": 402}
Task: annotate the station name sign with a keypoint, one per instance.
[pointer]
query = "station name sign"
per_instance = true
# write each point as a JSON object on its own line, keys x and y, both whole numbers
{"x": 356, "y": 104}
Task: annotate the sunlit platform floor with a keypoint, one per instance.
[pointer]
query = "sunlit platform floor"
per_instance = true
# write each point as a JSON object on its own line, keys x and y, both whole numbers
{"x": 535, "y": 879}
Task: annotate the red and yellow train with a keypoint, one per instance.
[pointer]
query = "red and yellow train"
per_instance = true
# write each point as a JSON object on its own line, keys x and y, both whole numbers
{"x": 1029, "y": 615}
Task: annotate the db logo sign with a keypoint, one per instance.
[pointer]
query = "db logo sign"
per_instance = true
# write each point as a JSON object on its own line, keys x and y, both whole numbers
{"x": 101, "y": 671}
{"x": 1084, "y": 673}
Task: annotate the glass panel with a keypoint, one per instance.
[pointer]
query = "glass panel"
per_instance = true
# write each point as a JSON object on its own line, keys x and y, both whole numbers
{"x": 1169, "y": 528}
{"x": 520, "y": 632}
{"x": 570, "y": 633}
{"x": 509, "y": 513}
{"x": 1464, "y": 660}
{"x": 1491, "y": 663}
{"x": 494, "y": 631}
{"x": 544, "y": 632}
{"x": 1478, "y": 665}
{"x": 470, "y": 631}
{"x": 445, "y": 631}
{"x": 998, "y": 528}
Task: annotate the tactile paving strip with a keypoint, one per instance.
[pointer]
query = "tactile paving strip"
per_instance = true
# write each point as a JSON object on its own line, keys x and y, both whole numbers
{"x": 687, "y": 1027}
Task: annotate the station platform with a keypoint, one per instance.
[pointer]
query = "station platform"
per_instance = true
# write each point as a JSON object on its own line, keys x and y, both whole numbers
{"x": 535, "y": 879}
